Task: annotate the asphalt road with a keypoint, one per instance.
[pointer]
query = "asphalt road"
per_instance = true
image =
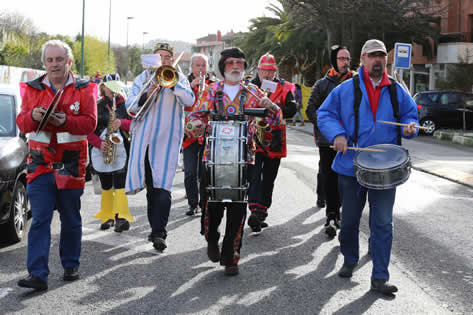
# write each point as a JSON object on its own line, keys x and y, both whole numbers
{"x": 290, "y": 268}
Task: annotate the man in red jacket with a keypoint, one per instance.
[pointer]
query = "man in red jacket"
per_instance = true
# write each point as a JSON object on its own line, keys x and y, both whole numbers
{"x": 269, "y": 153}
{"x": 56, "y": 161}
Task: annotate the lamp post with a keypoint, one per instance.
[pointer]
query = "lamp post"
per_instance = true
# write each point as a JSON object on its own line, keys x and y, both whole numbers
{"x": 128, "y": 18}
{"x": 109, "y": 27}
{"x": 82, "y": 44}
{"x": 144, "y": 33}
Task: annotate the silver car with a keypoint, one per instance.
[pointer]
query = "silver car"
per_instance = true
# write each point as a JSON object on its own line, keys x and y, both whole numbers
{"x": 14, "y": 206}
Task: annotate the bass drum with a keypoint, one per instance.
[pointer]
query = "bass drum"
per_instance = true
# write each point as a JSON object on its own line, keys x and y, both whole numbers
{"x": 226, "y": 164}
{"x": 382, "y": 170}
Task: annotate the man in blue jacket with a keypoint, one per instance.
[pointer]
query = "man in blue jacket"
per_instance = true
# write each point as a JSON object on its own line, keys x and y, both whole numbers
{"x": 335, "y": 119}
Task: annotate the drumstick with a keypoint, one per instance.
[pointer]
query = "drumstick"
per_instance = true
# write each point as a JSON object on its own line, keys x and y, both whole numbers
{"x": 363, "y": 149}
{"x": 400, "y": 124}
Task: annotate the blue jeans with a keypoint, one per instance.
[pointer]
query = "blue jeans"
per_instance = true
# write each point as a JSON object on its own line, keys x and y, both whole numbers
{"x": 298, "y": 114}
{"x": 44, "y": 195}
{"x": 353, "y": 197}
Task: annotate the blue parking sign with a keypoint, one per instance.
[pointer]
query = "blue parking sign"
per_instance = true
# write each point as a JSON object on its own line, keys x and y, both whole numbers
{"x": 402, "y": 55}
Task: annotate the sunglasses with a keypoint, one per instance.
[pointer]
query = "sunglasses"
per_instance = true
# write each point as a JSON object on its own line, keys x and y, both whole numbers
{"x": 236, "y": 62}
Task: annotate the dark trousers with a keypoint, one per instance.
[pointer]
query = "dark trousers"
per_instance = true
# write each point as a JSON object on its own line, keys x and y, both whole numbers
{"x": 159, "y": 203}
{"x": 329, "y": 182}
{"x": 112, "y": 180}
{"x": 44, "y": 195}
{"x": 192, "y": 165}
{"x": 262, "y": 176}
{"x": 236, "y": 216}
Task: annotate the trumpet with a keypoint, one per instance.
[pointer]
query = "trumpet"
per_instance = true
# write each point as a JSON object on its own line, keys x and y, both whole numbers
{"x": 166, "y": 77}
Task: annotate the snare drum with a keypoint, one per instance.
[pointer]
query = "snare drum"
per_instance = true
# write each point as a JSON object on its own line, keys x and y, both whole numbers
{"x": 226, "y": 164}
{"x": 382, "y": 170}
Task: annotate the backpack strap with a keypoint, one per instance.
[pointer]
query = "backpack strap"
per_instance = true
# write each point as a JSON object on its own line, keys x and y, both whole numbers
{"x": 356, "y": 107}
{"x": 395, "y": 104}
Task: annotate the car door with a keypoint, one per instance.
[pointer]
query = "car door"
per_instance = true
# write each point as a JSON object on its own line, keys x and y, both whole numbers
{"x": 450, "y": 103}
{"x": 468, "y": 102}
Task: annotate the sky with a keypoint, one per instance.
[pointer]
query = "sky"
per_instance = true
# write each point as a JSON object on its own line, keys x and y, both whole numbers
{"x": 184, "y": 20}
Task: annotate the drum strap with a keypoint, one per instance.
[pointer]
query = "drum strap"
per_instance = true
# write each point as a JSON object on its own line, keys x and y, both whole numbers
{"x": 356, "y": 106}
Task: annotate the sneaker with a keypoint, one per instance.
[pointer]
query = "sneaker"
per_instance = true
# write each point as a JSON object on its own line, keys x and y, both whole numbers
{"x": 330, "y": 228}
{"x": 71, "y": 274}
{"x": 33, "y": 282}
{"x": 320, "y": 203}
{"x": 122, "y": 225}
{"x": 213, "y": 251}
{"x": 254, "y": 222}
{"x": 346, "y": 271}
{"x": 264, "y": 225}
{"x": 106, "y": 225}
{"x": 382, "y": 286}
{"x": 231, "y": 270}
{"x": 191, "y": 211}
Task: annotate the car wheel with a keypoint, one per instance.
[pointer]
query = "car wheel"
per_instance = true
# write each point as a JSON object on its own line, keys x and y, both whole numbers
{"x": 428, "y": 123}
{"x": 16, "y": 227}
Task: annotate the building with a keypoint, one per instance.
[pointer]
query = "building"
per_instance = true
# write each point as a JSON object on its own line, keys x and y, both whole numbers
{"x": 211, "y": 46}
{"x": 455, "y": 20}
{"x": 184, "y": 62}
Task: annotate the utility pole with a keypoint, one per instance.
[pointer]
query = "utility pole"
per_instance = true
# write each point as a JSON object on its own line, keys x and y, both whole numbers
{"x": 82, "y": 44}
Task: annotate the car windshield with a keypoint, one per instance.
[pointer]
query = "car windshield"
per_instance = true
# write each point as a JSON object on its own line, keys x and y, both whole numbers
{"x": 7, "y": 116}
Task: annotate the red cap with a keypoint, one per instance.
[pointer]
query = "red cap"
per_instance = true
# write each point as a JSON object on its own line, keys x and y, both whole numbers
{"x": 267, "y": 62}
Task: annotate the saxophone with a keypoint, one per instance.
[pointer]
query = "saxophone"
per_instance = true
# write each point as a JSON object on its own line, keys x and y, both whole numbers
{"x": 112, "y": 137}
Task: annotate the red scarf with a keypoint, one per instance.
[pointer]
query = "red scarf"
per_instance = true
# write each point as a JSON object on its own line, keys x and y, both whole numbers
{"x": 374, "y": 94}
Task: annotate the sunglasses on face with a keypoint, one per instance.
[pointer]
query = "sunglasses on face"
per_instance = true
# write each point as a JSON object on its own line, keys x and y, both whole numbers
{"x": 236, "y": 62}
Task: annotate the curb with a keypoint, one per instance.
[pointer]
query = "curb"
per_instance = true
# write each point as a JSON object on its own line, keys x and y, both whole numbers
{"x": 455, "y": 137}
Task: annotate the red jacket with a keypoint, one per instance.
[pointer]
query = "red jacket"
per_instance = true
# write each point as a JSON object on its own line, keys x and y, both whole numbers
{"x": 60, "y": 150}
{"x": 275, "y": 137}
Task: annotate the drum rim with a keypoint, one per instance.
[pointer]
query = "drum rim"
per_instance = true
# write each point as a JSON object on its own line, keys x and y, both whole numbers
{"x": 380, "y": 146}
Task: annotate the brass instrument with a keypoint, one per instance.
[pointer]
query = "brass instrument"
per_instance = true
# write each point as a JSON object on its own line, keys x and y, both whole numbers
{"x": 261, "y": 127}
{"x": 201, "y": 85}
{"x": 166, "y": 77}
{"x": 112, "y": 137}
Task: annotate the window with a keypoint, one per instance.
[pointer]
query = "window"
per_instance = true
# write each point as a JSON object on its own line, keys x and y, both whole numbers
{"x": 7, "y": 115}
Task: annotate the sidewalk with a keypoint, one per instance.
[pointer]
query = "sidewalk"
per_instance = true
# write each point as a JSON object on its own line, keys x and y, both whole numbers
{"x": 438, "y": 157}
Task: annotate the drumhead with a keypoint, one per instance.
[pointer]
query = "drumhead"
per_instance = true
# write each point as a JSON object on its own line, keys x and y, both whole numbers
{"x": 393, "y": 157}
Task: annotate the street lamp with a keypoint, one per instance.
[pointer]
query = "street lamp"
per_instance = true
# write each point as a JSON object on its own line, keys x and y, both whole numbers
{"x": 128, "y": 18}
{"x": 144, "y": 33}
{"x": 82, "y": 44}
{"x": 109, "y": 27}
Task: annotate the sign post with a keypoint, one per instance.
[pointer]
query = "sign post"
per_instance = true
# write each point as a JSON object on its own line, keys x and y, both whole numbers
{"x": 402, "y": 60}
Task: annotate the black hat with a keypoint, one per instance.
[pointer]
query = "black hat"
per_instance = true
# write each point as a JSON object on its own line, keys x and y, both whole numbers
{"x": 333, "y": 55}
{"x": 234, "y": 52}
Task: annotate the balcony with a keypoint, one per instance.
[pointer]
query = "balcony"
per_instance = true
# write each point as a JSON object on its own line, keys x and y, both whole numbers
{"x": 455, "y": 52}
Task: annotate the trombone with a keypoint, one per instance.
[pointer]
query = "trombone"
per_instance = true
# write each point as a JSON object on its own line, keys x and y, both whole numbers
{"x": 166, "y": 76}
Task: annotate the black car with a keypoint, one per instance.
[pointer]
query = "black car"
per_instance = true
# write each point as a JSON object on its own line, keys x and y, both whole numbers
{"x": 444, "y": 109}
{"x": 14, "y": 206}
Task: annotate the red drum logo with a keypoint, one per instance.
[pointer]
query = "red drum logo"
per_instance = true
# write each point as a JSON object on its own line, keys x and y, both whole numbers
{"x": 226, "y": 131}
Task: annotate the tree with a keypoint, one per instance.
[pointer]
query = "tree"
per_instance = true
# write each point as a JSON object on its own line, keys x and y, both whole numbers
{"x": 95, "y": 56}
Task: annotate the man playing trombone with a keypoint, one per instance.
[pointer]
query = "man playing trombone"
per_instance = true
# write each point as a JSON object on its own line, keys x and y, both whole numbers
{"x": 156, "y": 141}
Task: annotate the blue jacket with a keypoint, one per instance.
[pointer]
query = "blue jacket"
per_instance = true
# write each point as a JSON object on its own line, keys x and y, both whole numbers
{"x": 336, "y": 117}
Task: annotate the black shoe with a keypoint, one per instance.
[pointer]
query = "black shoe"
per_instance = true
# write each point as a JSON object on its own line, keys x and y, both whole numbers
{"x": 159, "y": 241}
{"x": 231, "y": 270}
{"x": 346, "y": 271}
{"x": 213, "y": 252}
{"x": 264, "y": 225}
{"x": 382, "y": 286}
{"x": 254, "y": 222}
{"x": 33, "y": 282}
{"x": 191, "y": 211}
{"x": 331, "y": 227}
{"x": 71, "y": 274}
{"x": 122, "y": 225}
{"x": 320, "y": 203}
{"x": 106, "y": 225}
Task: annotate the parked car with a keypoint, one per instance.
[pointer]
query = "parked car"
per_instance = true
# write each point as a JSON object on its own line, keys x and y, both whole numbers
{"x": 444, "y": 109}
{"x": 14, "y": 205}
